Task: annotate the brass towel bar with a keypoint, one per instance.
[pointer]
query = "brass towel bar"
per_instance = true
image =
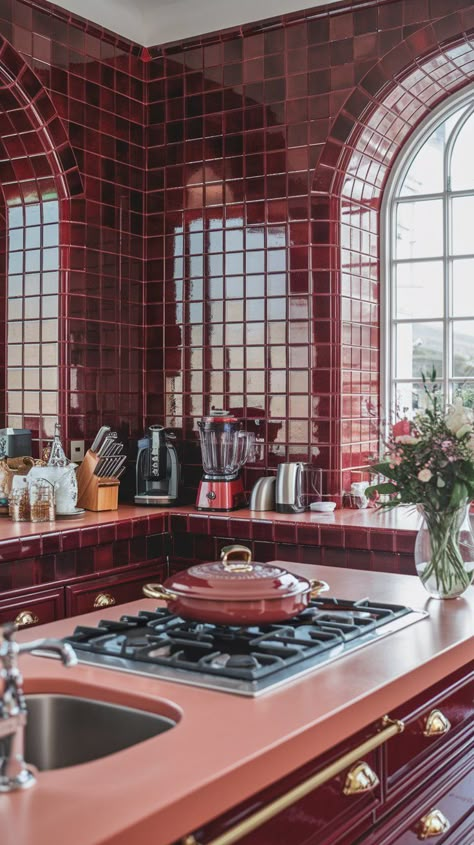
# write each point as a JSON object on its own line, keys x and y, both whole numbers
{"x": 390, "y": 727}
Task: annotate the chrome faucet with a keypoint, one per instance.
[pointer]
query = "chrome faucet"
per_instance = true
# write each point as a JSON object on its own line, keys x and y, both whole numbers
{"x": 14, "y": 773}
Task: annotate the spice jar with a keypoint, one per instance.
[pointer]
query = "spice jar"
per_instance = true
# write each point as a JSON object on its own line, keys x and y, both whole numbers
{"x": 42, "y": 501}
{"x": 19, "y": 501}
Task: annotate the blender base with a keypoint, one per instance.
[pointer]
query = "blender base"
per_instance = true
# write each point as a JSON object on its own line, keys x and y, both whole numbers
{"x": 221, "y": 495}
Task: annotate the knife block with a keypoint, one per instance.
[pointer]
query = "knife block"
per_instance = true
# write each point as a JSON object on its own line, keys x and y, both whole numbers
{"x": 95, "y": 494}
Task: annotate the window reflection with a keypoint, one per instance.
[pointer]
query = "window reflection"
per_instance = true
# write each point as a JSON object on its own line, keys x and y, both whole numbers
{"x": 32, "y": 312}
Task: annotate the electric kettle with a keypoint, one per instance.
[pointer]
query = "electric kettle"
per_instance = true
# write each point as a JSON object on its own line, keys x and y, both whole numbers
{"x": 289, "y": 488}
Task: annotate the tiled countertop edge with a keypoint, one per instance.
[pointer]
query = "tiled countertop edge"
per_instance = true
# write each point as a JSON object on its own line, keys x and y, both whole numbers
{"x": 359, "y": 529}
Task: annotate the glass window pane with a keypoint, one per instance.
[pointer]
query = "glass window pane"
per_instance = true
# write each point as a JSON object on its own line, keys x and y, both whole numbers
{"x": 463, "y": 287}
{"x": 462, "y": 230}
{"x": 425, "y": 175}
{"x": 410, "y": 398}
{"x": 466, "y": 391}
{"x": 419, "y": 348}
{"x": 462, "y": 161}
{"x": 463, "y": 348}
{"x": 419, "y": 232}
{"x": 419, "y": 290}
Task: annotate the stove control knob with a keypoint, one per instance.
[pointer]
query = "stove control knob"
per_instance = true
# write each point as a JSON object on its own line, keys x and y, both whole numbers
{"x": 211, "y": 495}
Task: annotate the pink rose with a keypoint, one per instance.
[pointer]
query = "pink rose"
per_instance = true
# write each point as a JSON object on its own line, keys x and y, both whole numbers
{"x": 424, "y": 475}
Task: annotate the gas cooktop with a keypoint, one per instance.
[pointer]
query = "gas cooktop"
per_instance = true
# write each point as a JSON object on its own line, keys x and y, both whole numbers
{"x": 243, "y": 660}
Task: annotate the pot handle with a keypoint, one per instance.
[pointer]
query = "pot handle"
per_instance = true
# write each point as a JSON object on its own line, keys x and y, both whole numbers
{"x": 318, "y": 587}
{"x": 157, "y": 591}
{"x": 241, "y": 555}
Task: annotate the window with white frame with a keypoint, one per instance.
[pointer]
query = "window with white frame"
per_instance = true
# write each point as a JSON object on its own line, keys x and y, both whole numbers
{"x": 429, "y": 290}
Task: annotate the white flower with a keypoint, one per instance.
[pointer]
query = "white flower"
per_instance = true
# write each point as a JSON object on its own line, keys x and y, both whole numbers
{"x": 465, "y": 429}
{"x": 458, "y": 416}
{"x": 424, "y": 475}
{"x": 440, "y": 481}
{"x": 406, "y": 439}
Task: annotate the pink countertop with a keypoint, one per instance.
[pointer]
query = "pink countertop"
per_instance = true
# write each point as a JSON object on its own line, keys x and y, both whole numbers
{"x": 225, "y": 747}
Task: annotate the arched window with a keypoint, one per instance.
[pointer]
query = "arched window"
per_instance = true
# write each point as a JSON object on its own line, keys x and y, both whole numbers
{"x": 429, "y": 261}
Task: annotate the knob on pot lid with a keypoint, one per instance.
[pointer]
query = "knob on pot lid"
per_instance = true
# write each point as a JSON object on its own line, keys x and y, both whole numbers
{"x": 236, "y": 578}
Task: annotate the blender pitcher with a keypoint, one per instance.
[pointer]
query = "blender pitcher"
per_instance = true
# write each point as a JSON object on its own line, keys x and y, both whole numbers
{"x": 224, "y": 448}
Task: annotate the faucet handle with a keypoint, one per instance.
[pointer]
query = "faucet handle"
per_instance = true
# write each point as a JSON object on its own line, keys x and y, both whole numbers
{"x": 7, "y": 630}
{"x": 64, "y": 651}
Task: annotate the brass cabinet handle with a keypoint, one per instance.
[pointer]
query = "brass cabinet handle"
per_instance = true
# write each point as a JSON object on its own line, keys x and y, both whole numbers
{"x": 104, "y": 600}
{"x": 361, "y": 778}
{"x": 390, "y": 727}
{"x": 436, "y": 724}
{"x": 26, "y": 617}
{"x": 433, "y": 824}
{"x": 157, "y": 591}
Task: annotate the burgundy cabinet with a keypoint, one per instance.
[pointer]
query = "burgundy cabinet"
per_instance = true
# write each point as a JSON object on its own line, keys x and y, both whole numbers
{"x": 97, "y": 593}
{"x": 33, "y": 608}
{"x": 423, "y": 787}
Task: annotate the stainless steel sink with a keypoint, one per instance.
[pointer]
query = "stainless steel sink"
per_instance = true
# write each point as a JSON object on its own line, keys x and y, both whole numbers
{"x": 64, "y": 730}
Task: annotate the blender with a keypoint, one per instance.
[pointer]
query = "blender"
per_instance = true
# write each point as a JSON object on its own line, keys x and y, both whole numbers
{"x": 225, "y": 448}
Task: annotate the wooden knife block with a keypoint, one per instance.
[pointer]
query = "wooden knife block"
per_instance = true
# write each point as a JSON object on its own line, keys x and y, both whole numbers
{"x": 95, "y": 494}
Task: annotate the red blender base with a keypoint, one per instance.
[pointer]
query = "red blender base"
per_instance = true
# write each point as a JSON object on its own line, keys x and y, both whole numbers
{"x": 220, "y": 495}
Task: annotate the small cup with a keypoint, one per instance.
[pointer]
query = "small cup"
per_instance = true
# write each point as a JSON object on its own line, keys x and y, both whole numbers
{"x": 42, "y": 501}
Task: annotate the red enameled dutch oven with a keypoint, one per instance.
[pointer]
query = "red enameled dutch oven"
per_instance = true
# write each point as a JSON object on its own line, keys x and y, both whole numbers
{"x": 236, "y": 591}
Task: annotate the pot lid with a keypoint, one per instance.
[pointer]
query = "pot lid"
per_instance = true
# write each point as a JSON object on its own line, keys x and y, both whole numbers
{"x": 236, "y": 580}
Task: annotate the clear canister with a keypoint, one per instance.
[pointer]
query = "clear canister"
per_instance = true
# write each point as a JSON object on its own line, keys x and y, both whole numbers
{"x": 42, "y": 507}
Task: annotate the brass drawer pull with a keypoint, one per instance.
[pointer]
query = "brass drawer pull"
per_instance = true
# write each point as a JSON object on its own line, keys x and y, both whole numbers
{"x": 104, "y": 600}
{"x": 361, "y": 778}
{"x": 390, "y": 727}
{"x": 433, "y": 824}
{"x": 26, "y": 617}
{"x": 436, "y": 724}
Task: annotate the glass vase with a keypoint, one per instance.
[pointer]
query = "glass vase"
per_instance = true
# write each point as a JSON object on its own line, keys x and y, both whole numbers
{"x": 444, "y": 551}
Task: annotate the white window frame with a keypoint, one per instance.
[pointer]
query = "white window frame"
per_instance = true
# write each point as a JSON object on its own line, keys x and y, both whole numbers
{"x": 388, "y": 233}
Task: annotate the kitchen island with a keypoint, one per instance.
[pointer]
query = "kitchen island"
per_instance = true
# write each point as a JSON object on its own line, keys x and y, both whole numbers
{"x": 226, "y": 748}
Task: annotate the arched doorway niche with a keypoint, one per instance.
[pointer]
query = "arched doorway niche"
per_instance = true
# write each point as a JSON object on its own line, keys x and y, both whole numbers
{"x": 38, "y": 179}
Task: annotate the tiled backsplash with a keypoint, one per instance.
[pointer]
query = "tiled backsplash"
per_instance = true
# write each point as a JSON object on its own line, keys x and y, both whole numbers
{"x": 220, "y": 215}
{"x": 265, "y": 186}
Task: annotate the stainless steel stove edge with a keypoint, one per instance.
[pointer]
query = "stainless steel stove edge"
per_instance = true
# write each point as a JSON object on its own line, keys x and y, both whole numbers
{"x": 252, "y": 689}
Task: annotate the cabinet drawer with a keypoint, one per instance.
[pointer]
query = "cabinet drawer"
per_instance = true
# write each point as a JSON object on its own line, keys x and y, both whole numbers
{"x": 454, "y": 803}
{"x": 326, "y": 815}
{"x": 98, "y": 593}
{"x": 30, "y": 609}
{"x": 436, "y": 724}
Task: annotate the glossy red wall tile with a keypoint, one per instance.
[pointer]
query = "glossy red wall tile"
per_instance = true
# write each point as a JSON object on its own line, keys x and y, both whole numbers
{"x": 220, "y": 215}
{"x": 88, "y": 88}
{"x": 264, "y": 191}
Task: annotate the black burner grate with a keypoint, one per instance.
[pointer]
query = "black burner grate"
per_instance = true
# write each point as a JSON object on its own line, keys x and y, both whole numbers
{"x": 327, "y": 627}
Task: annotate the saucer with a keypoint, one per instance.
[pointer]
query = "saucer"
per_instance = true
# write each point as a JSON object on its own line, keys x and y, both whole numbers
{"x": 77, "y": 512}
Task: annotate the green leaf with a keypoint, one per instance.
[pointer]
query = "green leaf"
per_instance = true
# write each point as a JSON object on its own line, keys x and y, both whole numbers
{"x": 384, "y": 469}
{"x": 385, "y": 488}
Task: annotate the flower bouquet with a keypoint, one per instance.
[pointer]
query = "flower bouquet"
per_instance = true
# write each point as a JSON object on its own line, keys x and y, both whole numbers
{"x": 429, "y": 462}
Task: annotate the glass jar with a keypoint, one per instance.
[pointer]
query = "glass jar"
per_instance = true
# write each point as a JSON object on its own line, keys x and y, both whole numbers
{"x": 19, "y": 502}
{"x": 42, "y": 501}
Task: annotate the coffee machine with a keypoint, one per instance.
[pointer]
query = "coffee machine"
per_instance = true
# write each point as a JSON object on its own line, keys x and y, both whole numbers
{"x": 225, "y": 448}
{"x": 158, "y": 470}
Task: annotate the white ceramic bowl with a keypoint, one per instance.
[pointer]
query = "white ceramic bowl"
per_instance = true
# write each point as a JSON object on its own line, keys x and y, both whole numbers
{"x": 323, "y": 507}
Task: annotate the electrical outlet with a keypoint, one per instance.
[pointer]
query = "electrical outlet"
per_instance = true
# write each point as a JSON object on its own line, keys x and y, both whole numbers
{"x": 77, "y": 451}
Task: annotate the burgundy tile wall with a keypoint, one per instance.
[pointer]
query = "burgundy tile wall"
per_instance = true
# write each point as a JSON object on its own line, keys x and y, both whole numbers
{"x": 268, "y": 152}
{"x": 232, "y": 186}
{"x": 89, "y": 89}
